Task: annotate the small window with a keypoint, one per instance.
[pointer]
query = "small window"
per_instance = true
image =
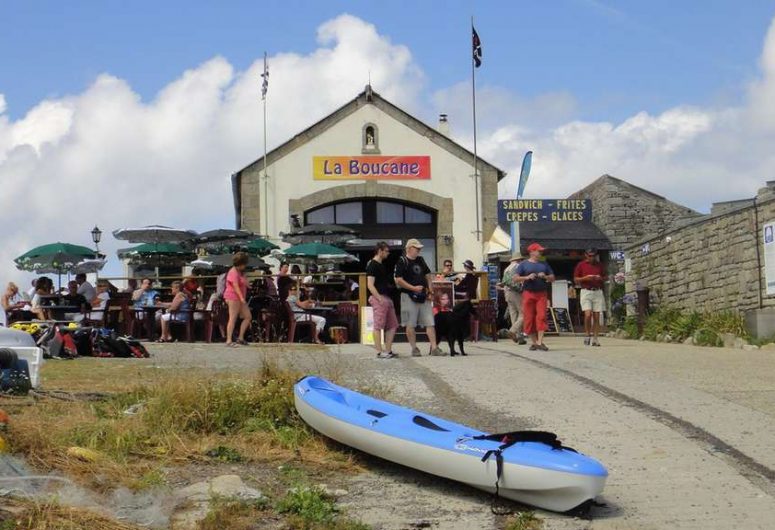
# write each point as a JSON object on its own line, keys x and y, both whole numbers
{"x": 349, "y": 213}
{"x": 415, "y": 216}
{"x": 390, "y": 213}
{"x": 321, "y": 215}
{"x": 370, "y": 139}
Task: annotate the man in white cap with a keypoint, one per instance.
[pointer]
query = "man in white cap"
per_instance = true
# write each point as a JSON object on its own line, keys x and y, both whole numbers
{"x": 512, "y": 291}
{"x": 414, "y": 279}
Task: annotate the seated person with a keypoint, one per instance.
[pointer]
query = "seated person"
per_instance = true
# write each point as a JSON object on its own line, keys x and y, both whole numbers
{"x": 43, "y": 286}
{"x": 446, "y": 274}
{"x": 299, "y": 307}
{"x": 178, "y": 310}
{"x": 100, "y": 301}
{"x": 466, "y": 287}
{"x": 74, "y": 299}
{"x": 85, "y": 288}
{"x": 144, "y": 296}
{"x": 14, "y": 303}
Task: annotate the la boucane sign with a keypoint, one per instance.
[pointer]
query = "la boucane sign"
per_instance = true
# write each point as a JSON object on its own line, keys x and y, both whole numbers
{"x": 371, "y": 167}
{"x": 551, "y": 210}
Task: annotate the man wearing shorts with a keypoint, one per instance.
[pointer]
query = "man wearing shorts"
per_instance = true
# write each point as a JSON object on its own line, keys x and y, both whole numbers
{"x": 589, "y": 275}
{"x": 414, "y": 279}
{"x": 378, "y": 283}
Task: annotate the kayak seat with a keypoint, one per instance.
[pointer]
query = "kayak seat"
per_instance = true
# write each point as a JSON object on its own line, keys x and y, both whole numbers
{"x": 428, "y": 424}
{"x": 376, "y": 413}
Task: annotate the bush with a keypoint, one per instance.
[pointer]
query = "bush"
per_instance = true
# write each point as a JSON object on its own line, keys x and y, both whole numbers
{"x": 706, "y": 328}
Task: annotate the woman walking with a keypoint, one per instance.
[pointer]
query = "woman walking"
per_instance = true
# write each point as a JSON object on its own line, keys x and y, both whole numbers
{"x": 235, "y": 294}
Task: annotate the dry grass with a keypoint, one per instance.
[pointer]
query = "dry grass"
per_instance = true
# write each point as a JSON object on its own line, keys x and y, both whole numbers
{"x": 181, "y": 416}
{"x": 20, "y": 514}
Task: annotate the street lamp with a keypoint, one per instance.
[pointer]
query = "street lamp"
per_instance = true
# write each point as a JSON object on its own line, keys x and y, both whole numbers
{"x": 96, "y": 236}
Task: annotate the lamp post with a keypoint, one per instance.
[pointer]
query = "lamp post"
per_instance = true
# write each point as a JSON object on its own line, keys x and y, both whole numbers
{"x": 96, "y": 236}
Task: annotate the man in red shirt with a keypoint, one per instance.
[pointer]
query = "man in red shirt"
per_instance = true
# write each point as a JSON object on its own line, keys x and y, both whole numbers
{"x": 590, "y": 275}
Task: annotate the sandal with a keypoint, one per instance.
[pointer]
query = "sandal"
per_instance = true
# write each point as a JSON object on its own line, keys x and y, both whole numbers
{"x": 242, "y": 342}
{"x": 232, "y": 345}
{"x": 162, "y": 341}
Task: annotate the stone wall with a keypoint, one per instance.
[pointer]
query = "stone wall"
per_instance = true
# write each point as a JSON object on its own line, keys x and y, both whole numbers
{"x": 710, "y": 264}
{"x": 627, "y": 213}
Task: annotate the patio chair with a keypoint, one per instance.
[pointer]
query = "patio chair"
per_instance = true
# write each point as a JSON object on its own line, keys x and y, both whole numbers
{"x": 294, "y": 324}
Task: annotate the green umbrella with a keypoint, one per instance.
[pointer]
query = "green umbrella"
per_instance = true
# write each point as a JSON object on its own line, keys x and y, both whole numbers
{"x": 53, "y": 258}
{"x": 256, "y": 247}
{"x": 318, "y": 252}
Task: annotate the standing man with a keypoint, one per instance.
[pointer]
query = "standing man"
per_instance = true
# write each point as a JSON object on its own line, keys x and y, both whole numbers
{"x": 535, "y": 275}
{"x": 85, "y": 289}
{"x": 378, "y": 283}
{"x": 414, "y": 279}
{"x": 590, "y": 275}
{"x": 512, "y": 291}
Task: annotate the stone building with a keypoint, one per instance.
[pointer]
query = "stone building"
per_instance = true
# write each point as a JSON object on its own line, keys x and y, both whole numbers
{"x": 715, "y": 262}
{"x": 627, "y": 214}
{"x": 375, "y": 168}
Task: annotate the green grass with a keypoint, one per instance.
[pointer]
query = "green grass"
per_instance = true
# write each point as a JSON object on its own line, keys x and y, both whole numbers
{"x": 706, "y": 328}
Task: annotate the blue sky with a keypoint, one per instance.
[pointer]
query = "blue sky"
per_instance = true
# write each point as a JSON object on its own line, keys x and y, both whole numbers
{"x": 146, "y": 108}
{"x": 614, "y": 58}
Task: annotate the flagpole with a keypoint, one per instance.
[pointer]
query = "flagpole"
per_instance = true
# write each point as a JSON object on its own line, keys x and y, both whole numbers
{"x": 266, "y": 177}
{"x": 476, "y": 157}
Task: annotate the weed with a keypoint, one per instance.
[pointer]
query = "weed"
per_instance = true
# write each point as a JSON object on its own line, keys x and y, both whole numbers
{"x": 232, "y": 513}
{"x": 224, "y": 454}
{"x": 311, "y": 504}
{"x": 151, "y": 479}
{"x": 524, "y": 521}
{"x": 34, "y": 515}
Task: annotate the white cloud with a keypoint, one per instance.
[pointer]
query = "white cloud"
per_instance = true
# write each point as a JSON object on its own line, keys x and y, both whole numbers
{"x": 105, "y": 156}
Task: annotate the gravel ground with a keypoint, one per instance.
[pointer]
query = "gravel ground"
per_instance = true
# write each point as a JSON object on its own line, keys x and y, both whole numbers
{"x": 686, "y": 432}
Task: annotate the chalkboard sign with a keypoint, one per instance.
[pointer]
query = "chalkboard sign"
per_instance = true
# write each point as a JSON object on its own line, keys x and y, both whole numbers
{"x": 562, "y": 318}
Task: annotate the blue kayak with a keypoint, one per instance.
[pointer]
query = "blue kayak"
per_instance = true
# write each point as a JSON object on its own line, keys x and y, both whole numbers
{"x": 534, "y": 467}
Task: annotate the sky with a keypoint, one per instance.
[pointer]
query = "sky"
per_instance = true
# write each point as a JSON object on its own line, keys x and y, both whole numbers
{"x": 129, "y": 113}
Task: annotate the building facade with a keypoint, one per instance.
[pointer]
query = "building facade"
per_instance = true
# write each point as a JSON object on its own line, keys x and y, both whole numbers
{"x": 373, "y": 167}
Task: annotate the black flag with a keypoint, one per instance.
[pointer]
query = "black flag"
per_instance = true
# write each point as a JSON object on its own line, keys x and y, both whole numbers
{"x": 477, "y": 48}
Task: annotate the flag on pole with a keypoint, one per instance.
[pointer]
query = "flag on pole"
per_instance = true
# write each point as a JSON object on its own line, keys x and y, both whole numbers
{"x": 265, "y": 75}
{"x": 477, "y": 48}
{"x": 525, "y": 173}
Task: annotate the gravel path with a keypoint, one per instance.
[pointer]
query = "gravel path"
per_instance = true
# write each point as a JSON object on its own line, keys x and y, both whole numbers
{"x": 686, "y": 432}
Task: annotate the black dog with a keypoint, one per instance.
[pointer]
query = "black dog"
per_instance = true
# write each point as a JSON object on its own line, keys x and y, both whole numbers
{"x": 455, "y": 325}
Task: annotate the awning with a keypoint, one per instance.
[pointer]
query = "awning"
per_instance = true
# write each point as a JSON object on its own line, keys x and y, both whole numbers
{"x": 499, "y": 242}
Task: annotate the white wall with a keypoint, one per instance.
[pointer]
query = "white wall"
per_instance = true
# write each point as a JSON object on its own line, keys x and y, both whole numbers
{"x": 291, "y": 177}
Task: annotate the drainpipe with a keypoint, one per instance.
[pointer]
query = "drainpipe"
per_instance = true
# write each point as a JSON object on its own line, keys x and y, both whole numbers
{"x": 758, "y": 252}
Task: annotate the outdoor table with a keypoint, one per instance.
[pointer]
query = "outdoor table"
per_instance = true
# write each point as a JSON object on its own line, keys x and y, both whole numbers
{"x": 58, "y": 311}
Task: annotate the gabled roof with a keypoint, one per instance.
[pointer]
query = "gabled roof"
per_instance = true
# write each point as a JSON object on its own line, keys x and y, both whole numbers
{"x": 609, "y": 178}
{"x": 369, "y": 97}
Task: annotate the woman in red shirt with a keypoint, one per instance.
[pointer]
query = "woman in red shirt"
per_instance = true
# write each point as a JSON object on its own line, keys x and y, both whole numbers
{"x": 235, "y": 296}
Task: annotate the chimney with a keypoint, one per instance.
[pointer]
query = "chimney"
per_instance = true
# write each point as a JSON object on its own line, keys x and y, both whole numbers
{"x": 443, "y": 125}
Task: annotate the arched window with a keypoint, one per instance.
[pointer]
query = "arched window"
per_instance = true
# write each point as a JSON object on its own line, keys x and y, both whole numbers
{"x": 370, "y": 139}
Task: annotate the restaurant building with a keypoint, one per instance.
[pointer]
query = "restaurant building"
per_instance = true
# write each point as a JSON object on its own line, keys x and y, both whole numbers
{"x": 375, "y": 168}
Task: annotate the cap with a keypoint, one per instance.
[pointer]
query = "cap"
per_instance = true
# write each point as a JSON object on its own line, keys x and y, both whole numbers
{"x": 535, "y": 247}
{"x": 516, "y": 256}
{"x": 592, "y": 251}
{"x": 468, "y": 264}
{"x": 414, "y": 243}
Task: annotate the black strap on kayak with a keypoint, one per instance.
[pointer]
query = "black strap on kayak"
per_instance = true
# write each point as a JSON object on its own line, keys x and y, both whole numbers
{"x": 508, "y": 439}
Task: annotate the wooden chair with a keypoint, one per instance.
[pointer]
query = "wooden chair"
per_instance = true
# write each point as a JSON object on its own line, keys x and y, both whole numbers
{"x": 486, "y": 316}
{"x": 346, "y": 314}
{"x": 188, "y": 323}
{"x": 101, "y": 322}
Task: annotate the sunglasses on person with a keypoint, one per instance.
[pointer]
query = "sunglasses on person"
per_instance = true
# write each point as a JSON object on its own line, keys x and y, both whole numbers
{"x": 448, "y": 264}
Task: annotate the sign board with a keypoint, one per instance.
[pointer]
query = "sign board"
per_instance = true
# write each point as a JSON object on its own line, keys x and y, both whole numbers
{"x": 493, "y": 277}
{"x": 562, "y": 317}
{"x": 768, "y": 238}
{"x": 367, "y": 326}
{"x": 616, "y": 255}
{"x": 552, "y": 210}
{"x": 371, "y": 167}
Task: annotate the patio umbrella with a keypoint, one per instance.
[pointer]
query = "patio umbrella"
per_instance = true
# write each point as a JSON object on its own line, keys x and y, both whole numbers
{"x": 317, "y": 252}
{"x": 56, "y": 258}
{"x": 255, "y": 247}
{"x": 319, "y": 233}
{"x": 89, "y": 265}
{"x": 154, "y": 234}
{"x": 224, "y": 261}
{"x": 157, "y": 254}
